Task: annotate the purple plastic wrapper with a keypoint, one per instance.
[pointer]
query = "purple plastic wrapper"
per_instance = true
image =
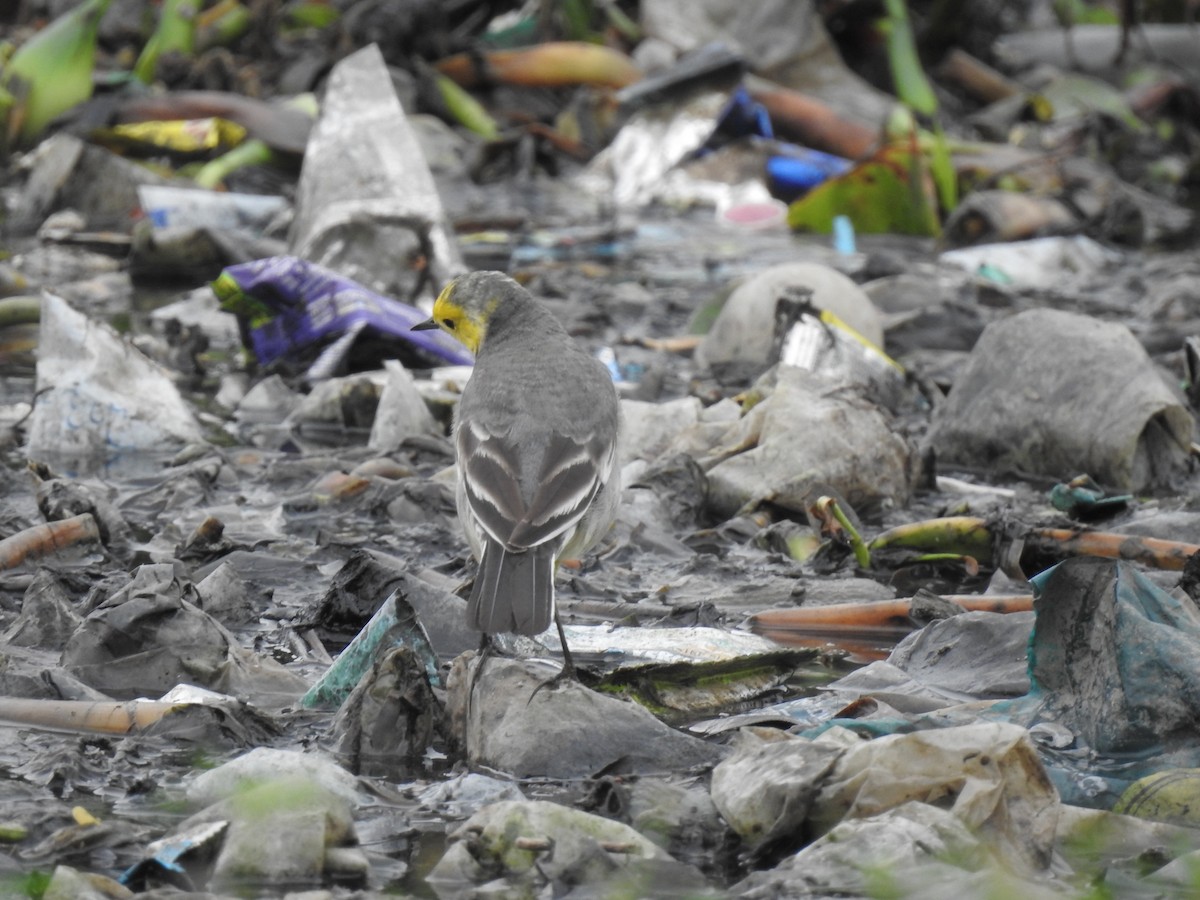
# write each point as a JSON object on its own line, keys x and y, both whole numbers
{"x": 289, "y": 305}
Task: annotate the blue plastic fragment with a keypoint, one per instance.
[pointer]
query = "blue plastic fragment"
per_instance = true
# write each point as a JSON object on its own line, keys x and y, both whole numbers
{"x": 608, "y": 356}
{"x": 163, "y": 855}
{"x": 801, "y": 169}
{"x": 741, "y": 117}
{"x": 843, "y": 235}
{"x": 744, "y": 116}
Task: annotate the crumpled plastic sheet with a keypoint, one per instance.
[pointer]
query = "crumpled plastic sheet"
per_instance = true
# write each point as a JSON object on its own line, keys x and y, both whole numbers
{"x": 987, "y": 774}
{"x": 1114, "y": 667}
{"x": 150, "y": 635}
{"x": 780, "y": 793}
{"x": 1048, "y": 391}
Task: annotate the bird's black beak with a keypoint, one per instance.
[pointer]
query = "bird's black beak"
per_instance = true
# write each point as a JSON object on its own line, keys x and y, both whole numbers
{"x": 427, "y": 325}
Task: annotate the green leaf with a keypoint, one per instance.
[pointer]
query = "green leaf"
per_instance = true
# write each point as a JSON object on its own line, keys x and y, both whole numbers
{"x": 941, "y": 166}
{"x": 52, "y": 71}
{"x": 176, "y": 33}
{"x": 577, "y": 19}
{"x": 465, "y": 109}
{"x": 305, "y": 14}
{"x": 890, "y": 193}
{"x": 912, "y": 87}
{"x": 248, "y": 153}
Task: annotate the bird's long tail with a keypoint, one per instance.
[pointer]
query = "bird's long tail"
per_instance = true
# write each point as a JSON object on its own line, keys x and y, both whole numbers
{"x": 513, "y": 592}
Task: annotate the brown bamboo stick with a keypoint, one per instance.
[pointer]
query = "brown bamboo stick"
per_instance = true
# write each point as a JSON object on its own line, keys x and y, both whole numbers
{"x": 44, "y": 540}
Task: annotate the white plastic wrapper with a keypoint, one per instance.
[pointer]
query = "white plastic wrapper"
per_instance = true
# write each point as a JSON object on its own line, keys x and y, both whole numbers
{"x": 641, "y": 164}
{"x": 1038, "y": 262}
{"x": 638, "y": 646}
{"x": 98, "y": 396}
{"x": 402, "y": 411}
{"x": 825, "y": 345}
{"x": 169, "y": 206}
{"x": 367, "y": 204}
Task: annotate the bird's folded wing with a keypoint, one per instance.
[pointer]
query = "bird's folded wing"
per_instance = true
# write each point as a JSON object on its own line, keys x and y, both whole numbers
{"x": 572, "y": 472}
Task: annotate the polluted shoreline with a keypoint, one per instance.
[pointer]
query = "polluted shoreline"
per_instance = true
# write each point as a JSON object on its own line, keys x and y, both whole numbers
{"x": 900, "y": 595}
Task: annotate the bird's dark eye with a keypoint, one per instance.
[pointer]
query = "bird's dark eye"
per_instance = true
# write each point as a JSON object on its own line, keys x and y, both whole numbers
{"x": 449, "y": 323}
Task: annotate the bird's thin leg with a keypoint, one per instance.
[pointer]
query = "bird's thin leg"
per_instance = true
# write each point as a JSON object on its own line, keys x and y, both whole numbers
{"x": 568, "y": 669}
{"x": 486, "y": 649}
{"x": 568, "y": 672}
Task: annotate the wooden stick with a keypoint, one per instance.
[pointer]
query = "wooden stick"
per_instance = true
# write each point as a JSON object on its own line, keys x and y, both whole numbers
{"x": 84, "y": 715}
{"x": 534, "y": 844}
{"x": 1162, "y": 554}
{"x": 977, "y": 77}
{"x": 883, "y": 614}
{"x": 807, "y": 120}
{"x": 684, "y": 343}
{"x": 553, "y": 64}
{"x": 44, "y": 540}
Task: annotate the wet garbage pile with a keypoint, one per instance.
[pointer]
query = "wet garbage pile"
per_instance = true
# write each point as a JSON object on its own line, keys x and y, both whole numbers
{"x": 900, "y": 597}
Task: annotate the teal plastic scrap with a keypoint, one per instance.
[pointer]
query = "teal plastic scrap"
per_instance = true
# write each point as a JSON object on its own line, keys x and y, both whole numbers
{"x": 994, "y": 274}
{"x": 395, "y": 624}
{"x": 1115, "y": 657}
{"x": 1083, "y": 498}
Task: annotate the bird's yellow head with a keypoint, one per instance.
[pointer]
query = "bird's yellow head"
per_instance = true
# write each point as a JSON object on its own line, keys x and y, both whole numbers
{"x": 465, "y": 306}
